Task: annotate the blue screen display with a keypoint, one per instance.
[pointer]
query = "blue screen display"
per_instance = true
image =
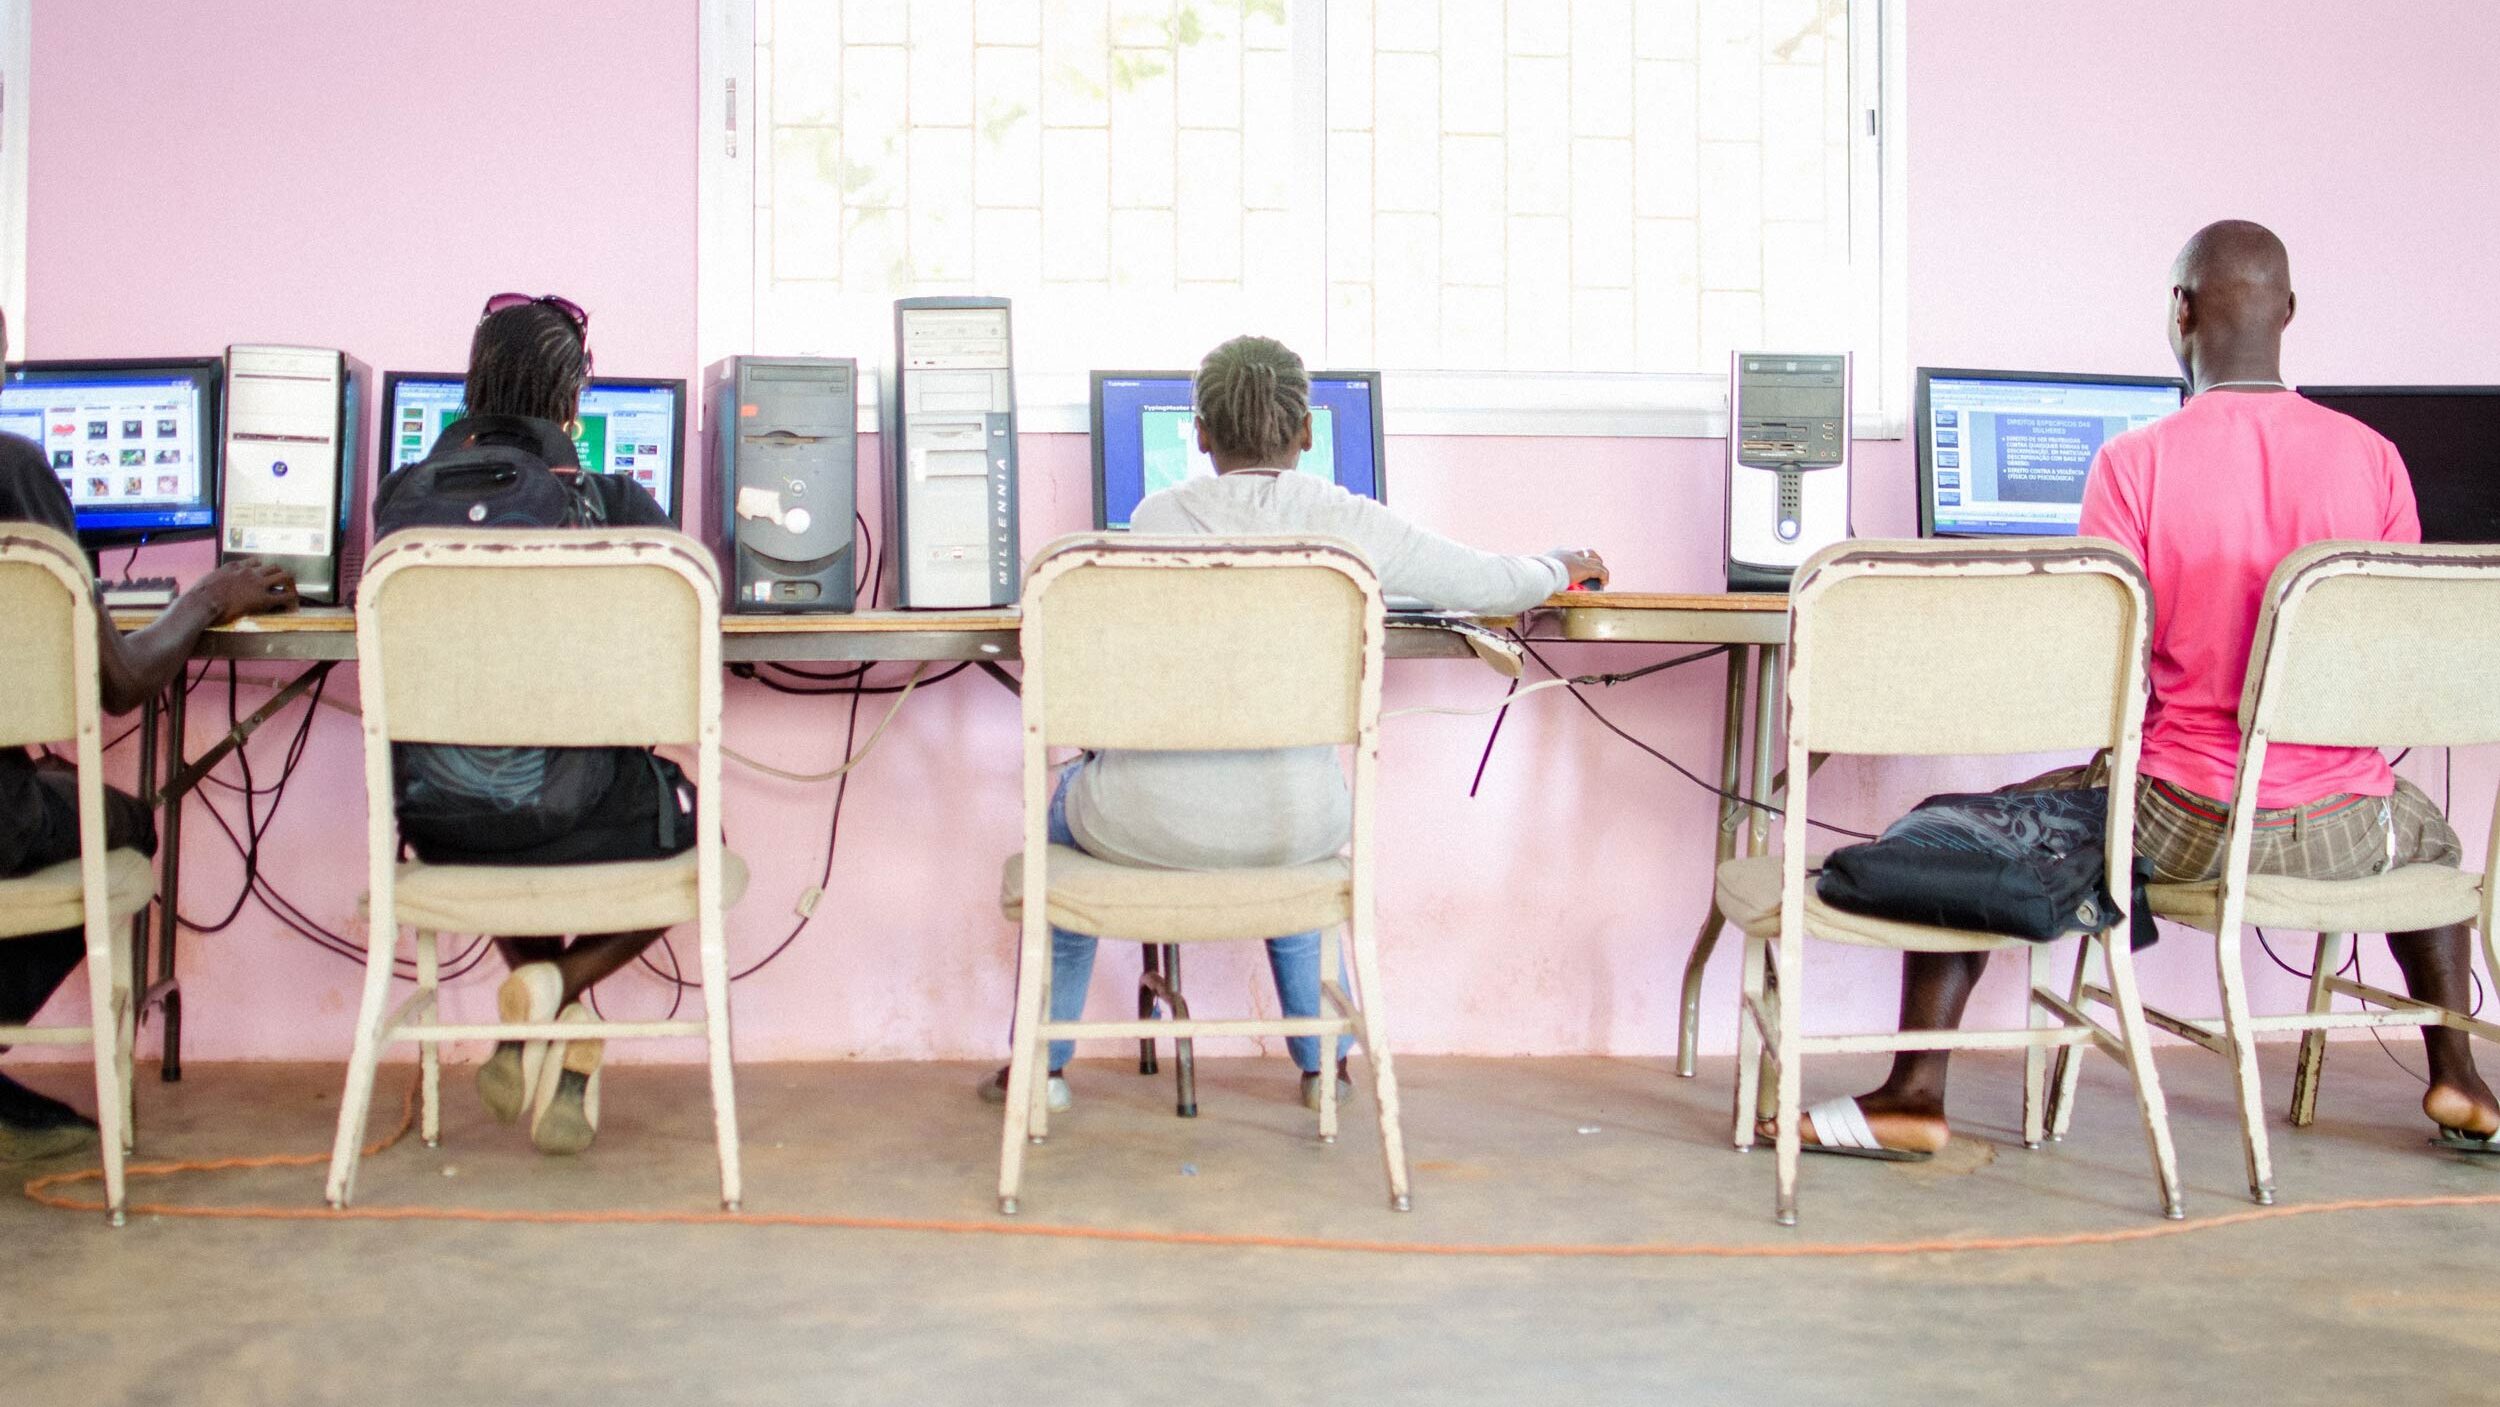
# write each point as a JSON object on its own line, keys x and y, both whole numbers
{"x": 623, "y": 429}
{"x": 2007, "y": 457}
{"x": 1150, "y": 439}
{"x": 131, "y": 448}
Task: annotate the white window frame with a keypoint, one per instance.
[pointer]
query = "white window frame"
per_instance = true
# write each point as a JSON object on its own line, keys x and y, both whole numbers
{"x": 1611, "y": 404}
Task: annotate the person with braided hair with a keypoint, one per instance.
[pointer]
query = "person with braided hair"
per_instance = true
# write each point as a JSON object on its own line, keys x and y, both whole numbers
{"x": 529, "y": 360}
{"x": 1232, "y": 810}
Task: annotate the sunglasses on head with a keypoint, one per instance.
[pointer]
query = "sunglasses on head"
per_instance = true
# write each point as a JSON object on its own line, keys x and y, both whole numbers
{"x": 566, "y": 306}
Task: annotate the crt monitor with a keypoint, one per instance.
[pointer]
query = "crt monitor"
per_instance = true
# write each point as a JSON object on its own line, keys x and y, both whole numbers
{"x": 2005, "y": 453}
{"x": 1145, "y": 438}
{"x": 135, "y": 442}
{"x": 2450, "y": 439}
{"x": 627, "y": 426}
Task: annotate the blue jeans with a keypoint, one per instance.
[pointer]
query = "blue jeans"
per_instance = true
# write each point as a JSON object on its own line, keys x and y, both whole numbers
{"x": 1294, "y": 959}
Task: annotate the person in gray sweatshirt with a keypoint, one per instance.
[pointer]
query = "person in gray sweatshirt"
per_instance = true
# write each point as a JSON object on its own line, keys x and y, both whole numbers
{"x": 1283, "y": 806}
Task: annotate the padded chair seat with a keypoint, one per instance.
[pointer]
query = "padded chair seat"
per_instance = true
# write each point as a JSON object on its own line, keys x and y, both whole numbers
{"x": 1107, "y": 900}
{"x": 51, "y": 898}
{"x": 2399, "y": 901}
{"x": 525, "y": 900}
{"x": 1749, "y": 897}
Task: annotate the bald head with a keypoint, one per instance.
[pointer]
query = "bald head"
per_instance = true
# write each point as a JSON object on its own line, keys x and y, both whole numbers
{"x": 2230, "y": 299}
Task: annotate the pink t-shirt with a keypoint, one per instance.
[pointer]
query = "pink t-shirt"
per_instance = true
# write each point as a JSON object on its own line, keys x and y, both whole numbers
{"x": 2211, "y": 499}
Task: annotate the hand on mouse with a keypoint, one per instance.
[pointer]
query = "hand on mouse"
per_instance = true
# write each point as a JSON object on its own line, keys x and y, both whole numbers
{"x": 1581, "y": 565}
{"x": 245, "y": 587}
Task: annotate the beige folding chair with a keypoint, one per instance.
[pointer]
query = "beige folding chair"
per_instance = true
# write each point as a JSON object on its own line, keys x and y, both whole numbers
{"x": 538, "y": 639}
{"x": 1157, "y": 643}
{"x": 1923, "y": 649}
{"x": 2358, "y": 644}
{"x": 49, "y": 692}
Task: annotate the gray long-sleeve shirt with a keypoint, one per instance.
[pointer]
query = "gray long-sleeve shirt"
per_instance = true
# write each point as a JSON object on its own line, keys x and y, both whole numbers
{"x": 1284, "y": 806}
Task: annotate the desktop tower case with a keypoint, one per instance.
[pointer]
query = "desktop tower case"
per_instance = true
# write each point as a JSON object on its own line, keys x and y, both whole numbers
{"x": 293, "y": 491}
{"x": 948, "y": 415}
{"x": 780, "y": 471}
{"x": 1787, "y": 464}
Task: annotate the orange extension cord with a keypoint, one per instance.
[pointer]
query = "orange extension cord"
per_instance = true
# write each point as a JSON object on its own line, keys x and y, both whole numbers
{"x": 39, "y": 1191}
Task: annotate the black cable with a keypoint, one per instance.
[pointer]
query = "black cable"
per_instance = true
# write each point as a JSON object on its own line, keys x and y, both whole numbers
{"x": 256, "y": 824}
{"x": 2351, "y": 959}
{"x": 876, "y": 579}
{"x": 802, "y": 672}
{"x": 1627, "y": 676}
{"x": 675, "y": 977}
{"x": 833, "y": 837}
{"x": 2384, "y": 1048}
{"x": 1680, "y": 769}
{"x": 855, "y": 690}
{"x": 824, "y": 876}
{"x": 1502, "y": 715}
{"x": 292, "y": 916}
{"x": 2352, "y": 965}
{"x": 868, "y": 559}
{"x": 1491, "y": 736}
{"x": 249, "y": 849}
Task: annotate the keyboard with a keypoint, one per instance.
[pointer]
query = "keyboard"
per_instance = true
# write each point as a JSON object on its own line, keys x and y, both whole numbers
{"x": 145, "y": 593}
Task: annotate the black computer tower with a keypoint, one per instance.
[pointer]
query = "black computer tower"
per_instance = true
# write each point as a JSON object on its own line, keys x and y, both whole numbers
{"x": 780, "y": 471}
{"x": 292, "y": 491}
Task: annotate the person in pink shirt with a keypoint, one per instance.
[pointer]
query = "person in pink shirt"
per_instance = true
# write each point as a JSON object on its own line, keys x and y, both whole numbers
{"x": 2211, "y": 499}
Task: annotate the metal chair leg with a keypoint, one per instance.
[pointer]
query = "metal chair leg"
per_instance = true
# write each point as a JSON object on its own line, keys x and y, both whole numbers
{"x": 1184, "y": 1050}
{"x": 1163, "y": 987}
{"x": 2323, "y": 965}
{"x": 1147, "y": 979}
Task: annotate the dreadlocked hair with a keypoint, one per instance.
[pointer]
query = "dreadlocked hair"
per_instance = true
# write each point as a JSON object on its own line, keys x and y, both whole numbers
{"x": 526, "y": 360}
{"x": 1252, "y": 398}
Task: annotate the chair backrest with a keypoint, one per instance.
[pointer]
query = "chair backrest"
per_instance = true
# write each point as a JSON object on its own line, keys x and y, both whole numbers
{"x": 1908, "y": 648}
{"x": 47, "y": 637}
{"x": 1164, "y": 643}
{"x": 2365, "y": 644}
{"x": 1925, "y": 648}
{"x": 546, "y": 638}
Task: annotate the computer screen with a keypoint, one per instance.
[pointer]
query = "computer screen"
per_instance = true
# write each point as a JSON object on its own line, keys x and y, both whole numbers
{"x": 2005, "y": 453}
{"x": 1146, "y": 438}
{"x": 2450, "y": 439}
{"x": 627, "y": 426}
{"x": 134, "y": 442}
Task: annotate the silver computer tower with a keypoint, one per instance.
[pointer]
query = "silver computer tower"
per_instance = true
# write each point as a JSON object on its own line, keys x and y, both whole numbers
{"x": 293, "y": 490}
{"x": 948, "y": 409}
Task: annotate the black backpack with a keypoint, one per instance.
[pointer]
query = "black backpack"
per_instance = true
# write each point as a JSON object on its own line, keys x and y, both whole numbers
{"x": 2027, "y": 864}
{"x": 491, "y": 471}
{"x": 495, "y": 471}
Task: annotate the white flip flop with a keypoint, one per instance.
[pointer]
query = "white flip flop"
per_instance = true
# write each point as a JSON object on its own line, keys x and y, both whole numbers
{"x": 2459, "y": 1141}
{"x": 1841, "y": 1130}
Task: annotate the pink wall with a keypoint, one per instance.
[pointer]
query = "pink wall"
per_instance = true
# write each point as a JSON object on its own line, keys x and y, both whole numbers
{"x": 1549, "y": 914}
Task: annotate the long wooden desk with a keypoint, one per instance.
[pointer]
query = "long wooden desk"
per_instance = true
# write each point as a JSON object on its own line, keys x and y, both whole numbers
{"x": 1753, "y": 628}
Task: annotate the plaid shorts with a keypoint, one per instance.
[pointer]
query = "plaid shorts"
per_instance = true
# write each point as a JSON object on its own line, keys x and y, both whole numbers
{"x": 2344, "y": 836}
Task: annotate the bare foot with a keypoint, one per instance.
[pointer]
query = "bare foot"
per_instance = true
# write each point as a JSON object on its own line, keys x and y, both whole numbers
{"x": 1904, "y": 1129}
{"x": 2468, "y": 1110}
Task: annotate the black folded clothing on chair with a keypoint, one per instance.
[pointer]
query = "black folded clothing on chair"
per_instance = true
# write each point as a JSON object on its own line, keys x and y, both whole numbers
{"x": 2023, "y": 864}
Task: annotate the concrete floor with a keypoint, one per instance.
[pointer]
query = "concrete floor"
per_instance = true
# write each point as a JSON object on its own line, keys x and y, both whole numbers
{"x": 172, "y": 1310}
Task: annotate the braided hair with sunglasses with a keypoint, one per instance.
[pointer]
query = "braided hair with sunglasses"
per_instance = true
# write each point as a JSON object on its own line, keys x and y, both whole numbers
{"x": 529, "y": 356}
